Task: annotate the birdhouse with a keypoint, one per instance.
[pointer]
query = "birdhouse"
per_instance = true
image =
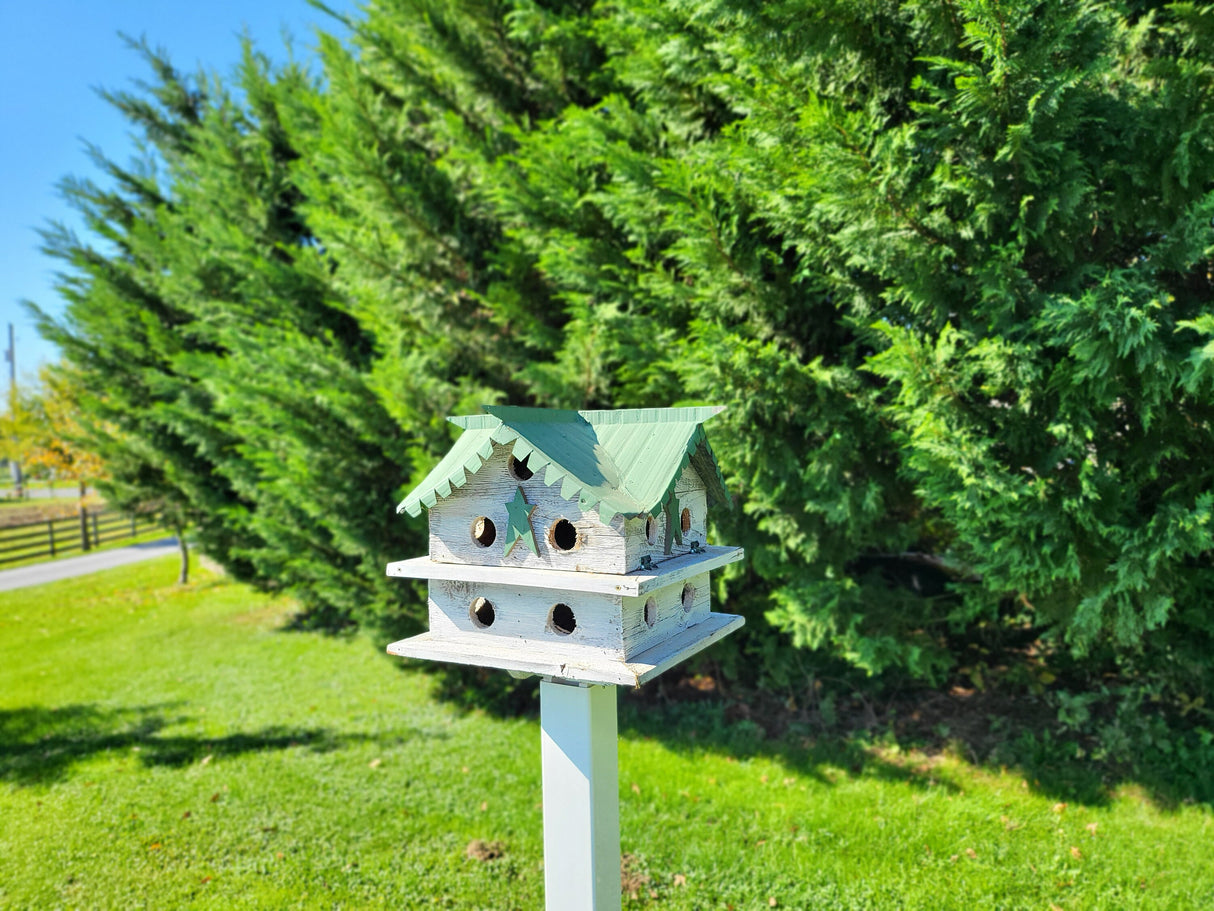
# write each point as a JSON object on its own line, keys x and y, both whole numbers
{"x": 571, "y": 544}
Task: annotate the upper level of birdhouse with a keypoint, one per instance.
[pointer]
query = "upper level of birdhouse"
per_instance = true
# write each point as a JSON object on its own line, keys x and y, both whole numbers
{"x": 592, "y": 491}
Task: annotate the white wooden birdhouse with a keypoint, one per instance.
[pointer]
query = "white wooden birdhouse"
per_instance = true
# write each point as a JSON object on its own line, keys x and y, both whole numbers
{"x": 571, "y": 544}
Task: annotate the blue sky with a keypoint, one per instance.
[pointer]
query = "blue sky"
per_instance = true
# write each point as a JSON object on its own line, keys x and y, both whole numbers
{"x": 53, "y": 54}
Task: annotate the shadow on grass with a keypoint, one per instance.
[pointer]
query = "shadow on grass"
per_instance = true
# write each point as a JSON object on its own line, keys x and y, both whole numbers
{"x": 1136, "y": 746}
{"x": 896, "y": 739}
{"x": 39, "y": 745}
{"x": 712, "y": 726}
{"x": 899, "y": 742}
{"x": 703, "y": 725}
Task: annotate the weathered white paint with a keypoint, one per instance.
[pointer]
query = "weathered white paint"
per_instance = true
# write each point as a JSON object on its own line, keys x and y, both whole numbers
{"x": 578, "y": 749}
{"x": 541, "y": 660}
{"x": 682, "y": 645}
{"x": 614, "y": 548}
{"x": 671, "y": 617}
{"x": 634, "y": 583}
{"x": 692, "y": 496}
{"x": 609, "y": 625}
{"x": 686, "y": 566}
{"x": 521, "y": 616}
{"x": 599, "y": 580}
{"x": 614, "y": 641}
{"x": 600, "y": 548}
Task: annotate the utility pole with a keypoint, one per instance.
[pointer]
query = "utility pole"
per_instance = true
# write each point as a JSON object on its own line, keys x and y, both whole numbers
{"x": 10, "y": 355}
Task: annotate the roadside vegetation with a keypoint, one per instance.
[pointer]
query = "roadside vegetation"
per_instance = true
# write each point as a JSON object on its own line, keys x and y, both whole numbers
{"x": 43, "y": 442}
{"x": 175, "y": 746}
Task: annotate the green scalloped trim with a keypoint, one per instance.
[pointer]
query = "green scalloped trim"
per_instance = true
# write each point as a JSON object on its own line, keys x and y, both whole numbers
{"x": 696, "y": 451}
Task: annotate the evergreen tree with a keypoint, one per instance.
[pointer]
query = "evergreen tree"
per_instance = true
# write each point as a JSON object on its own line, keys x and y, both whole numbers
{"x": 951, "y": 267}
{"x": 282, "y": 360}
{"x": 948, "y": 265}
{"x": 217, "y": 348}
{"x": 123, "y": 336}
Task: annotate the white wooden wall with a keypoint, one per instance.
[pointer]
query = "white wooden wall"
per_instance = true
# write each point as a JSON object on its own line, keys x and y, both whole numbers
{"x": 614, "y": 548}
{"x": 607, "y": 625}
{"x": 692, "y": 497}
{"x": 521, "y": 616}
{"x": 671, "y": 618}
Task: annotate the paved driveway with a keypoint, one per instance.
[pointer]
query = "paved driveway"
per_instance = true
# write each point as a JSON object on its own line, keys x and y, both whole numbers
{"x": 54, "y": 570}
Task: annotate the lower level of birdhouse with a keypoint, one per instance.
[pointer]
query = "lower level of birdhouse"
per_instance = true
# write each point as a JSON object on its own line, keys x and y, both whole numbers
{"x": 575, "y": 622}
{"x": 626, "y": 632}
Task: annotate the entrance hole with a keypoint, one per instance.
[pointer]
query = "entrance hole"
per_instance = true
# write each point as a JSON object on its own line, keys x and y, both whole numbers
{"x": 563, "y": 535}
{"x": 518, "y": 468}
{"x": 561, "y": 619}
{"x": 482, "y": 613}
{"x": 688, "y": 598}
{"x": 484, "y": 532}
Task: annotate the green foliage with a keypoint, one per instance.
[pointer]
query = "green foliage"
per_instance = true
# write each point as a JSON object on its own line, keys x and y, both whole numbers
{"x": 227, "y": 377}
{"x": 122, "y": 334}
{"x": 950, "y": 266}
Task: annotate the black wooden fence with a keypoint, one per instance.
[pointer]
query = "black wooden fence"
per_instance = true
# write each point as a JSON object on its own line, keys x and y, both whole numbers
{"x": 52, "y": 537}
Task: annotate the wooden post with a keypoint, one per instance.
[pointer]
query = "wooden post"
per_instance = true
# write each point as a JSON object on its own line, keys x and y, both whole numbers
{"x": 50, "y": 534}
{"x": 580, "y": 757}
{"x": 84, "y": 528}
{"x": 96, "y": 538}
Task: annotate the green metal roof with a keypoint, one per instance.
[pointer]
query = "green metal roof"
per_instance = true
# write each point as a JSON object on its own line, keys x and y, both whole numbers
{"x": 624, "y": 461}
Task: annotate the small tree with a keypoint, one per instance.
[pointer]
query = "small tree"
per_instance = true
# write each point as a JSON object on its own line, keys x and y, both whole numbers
{"x": 58, "y": 441}
{"x": 18, "y": 430}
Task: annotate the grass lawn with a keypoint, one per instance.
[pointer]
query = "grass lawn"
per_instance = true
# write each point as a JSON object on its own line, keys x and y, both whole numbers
{"x": 168, "y": 747}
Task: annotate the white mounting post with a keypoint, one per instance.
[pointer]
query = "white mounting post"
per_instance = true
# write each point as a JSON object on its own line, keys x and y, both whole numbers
{"x": 580, "y": 753}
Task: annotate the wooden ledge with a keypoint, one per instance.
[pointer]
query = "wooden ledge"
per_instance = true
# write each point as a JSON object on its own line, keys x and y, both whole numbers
{"x": 640, "y": 582}
{"x": 548, "y": 661}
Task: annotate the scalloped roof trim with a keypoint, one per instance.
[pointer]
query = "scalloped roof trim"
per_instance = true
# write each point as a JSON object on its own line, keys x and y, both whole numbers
{"x": 611, "y": 497}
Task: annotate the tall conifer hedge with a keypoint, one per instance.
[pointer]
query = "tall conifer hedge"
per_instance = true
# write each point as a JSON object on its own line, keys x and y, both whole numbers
{"x": 949, "y": 265}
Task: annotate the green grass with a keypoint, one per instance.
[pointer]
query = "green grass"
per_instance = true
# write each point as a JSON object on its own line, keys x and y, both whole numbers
{"x": 168, "y": 747}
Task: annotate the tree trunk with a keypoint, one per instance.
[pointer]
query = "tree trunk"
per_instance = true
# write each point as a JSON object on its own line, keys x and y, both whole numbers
{"x": 184, "y": 549}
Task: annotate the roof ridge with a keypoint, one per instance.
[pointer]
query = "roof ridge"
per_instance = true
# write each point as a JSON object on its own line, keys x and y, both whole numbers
{"x": 531, "y": 414}
{"x": 693, "y": 414}
{"x": 593, "y": 441}
{"x": 474, "y": 421}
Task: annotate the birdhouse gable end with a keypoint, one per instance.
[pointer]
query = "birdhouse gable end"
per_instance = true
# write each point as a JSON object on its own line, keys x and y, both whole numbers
{"x": 499, "y": 518}
{"x": 625, "y": 462}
